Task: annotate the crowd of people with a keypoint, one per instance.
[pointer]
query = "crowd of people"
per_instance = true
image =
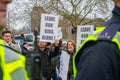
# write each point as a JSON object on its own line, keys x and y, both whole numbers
{"x": 98, "y": 57}
{"x": 48, "y": 52}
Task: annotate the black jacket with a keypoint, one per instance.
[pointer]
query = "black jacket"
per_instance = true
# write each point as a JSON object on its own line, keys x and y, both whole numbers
{"x": 100, "y": 60}
{"x": 46, "y": 66}
{"x": 24, "y": 51}
{"x": 70, "y": 68}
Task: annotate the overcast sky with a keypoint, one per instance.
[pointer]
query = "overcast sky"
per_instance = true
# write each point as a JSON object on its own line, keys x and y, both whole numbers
{"x": 19, "y": 6}
{"x": 17, "y": 9}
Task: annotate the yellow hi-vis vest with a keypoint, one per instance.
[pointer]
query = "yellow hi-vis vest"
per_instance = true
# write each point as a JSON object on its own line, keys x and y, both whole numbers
{"x": 12, "y": 64}
{"x": 115, "y": 39}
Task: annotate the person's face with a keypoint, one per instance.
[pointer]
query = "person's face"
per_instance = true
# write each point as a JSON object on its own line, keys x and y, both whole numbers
{"x": 70, "y": 47}
{"x": 7, "y": 37}
{"x": 42, "y": 44}
{"x": 3, "y": 10}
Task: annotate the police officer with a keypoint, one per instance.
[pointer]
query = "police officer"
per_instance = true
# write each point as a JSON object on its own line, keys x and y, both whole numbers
{"x": 98, "y": 58}
{"x": 12, "y": 64}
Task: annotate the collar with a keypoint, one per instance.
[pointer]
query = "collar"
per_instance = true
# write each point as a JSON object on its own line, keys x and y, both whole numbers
{"x": 116, "y": 13}
{"x": 6, "y": 43}
{"x": 115, "y": 18}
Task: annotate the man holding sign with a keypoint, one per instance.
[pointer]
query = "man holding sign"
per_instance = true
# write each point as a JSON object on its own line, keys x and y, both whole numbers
{"x": 46, "y": 54}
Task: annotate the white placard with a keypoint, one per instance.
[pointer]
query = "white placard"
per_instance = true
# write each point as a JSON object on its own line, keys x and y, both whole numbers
{"x": 64, "y": 64}
{"x": 83, "y": 32}
{"x": 48, "y": 27}
{"x": 59, "y": 33}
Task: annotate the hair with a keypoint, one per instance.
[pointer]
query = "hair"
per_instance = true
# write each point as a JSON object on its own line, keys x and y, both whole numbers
{"x": 4, "y": 32}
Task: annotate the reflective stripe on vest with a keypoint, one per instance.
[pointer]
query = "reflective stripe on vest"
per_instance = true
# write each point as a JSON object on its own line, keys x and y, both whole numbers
{"x": 116, "y": 40}
{"x": 12, "y": 64}
{"x": 11, "y": 55}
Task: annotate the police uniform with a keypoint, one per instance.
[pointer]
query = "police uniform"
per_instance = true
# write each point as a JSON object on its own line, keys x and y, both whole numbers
{"x": 12, "y": 64}
{"x": 98, "y": 58}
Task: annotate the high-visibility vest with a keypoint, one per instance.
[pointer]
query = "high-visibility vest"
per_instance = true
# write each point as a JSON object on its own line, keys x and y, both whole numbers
{"x": 12, "y": 64}
{"x": 115, "y": 39}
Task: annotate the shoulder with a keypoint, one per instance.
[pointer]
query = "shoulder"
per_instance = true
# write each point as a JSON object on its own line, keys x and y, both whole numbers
{"x": 98, "y": 54}
{"x": 100, "y": 50}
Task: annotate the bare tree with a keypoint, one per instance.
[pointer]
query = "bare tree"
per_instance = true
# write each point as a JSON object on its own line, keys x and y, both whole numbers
{"x": 73, "y": 10}
{"x": 19, "y": 14}
{"x": 104, "y": 8}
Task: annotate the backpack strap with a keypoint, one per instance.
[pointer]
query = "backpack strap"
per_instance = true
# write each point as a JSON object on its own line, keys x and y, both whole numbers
{"x": 109, "y": 32}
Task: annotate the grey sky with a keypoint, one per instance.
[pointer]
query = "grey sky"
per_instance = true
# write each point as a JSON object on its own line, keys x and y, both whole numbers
{"x": 18, "y": 7}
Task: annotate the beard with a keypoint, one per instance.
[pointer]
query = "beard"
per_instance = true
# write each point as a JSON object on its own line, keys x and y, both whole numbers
{"x": 70, "y": 50}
